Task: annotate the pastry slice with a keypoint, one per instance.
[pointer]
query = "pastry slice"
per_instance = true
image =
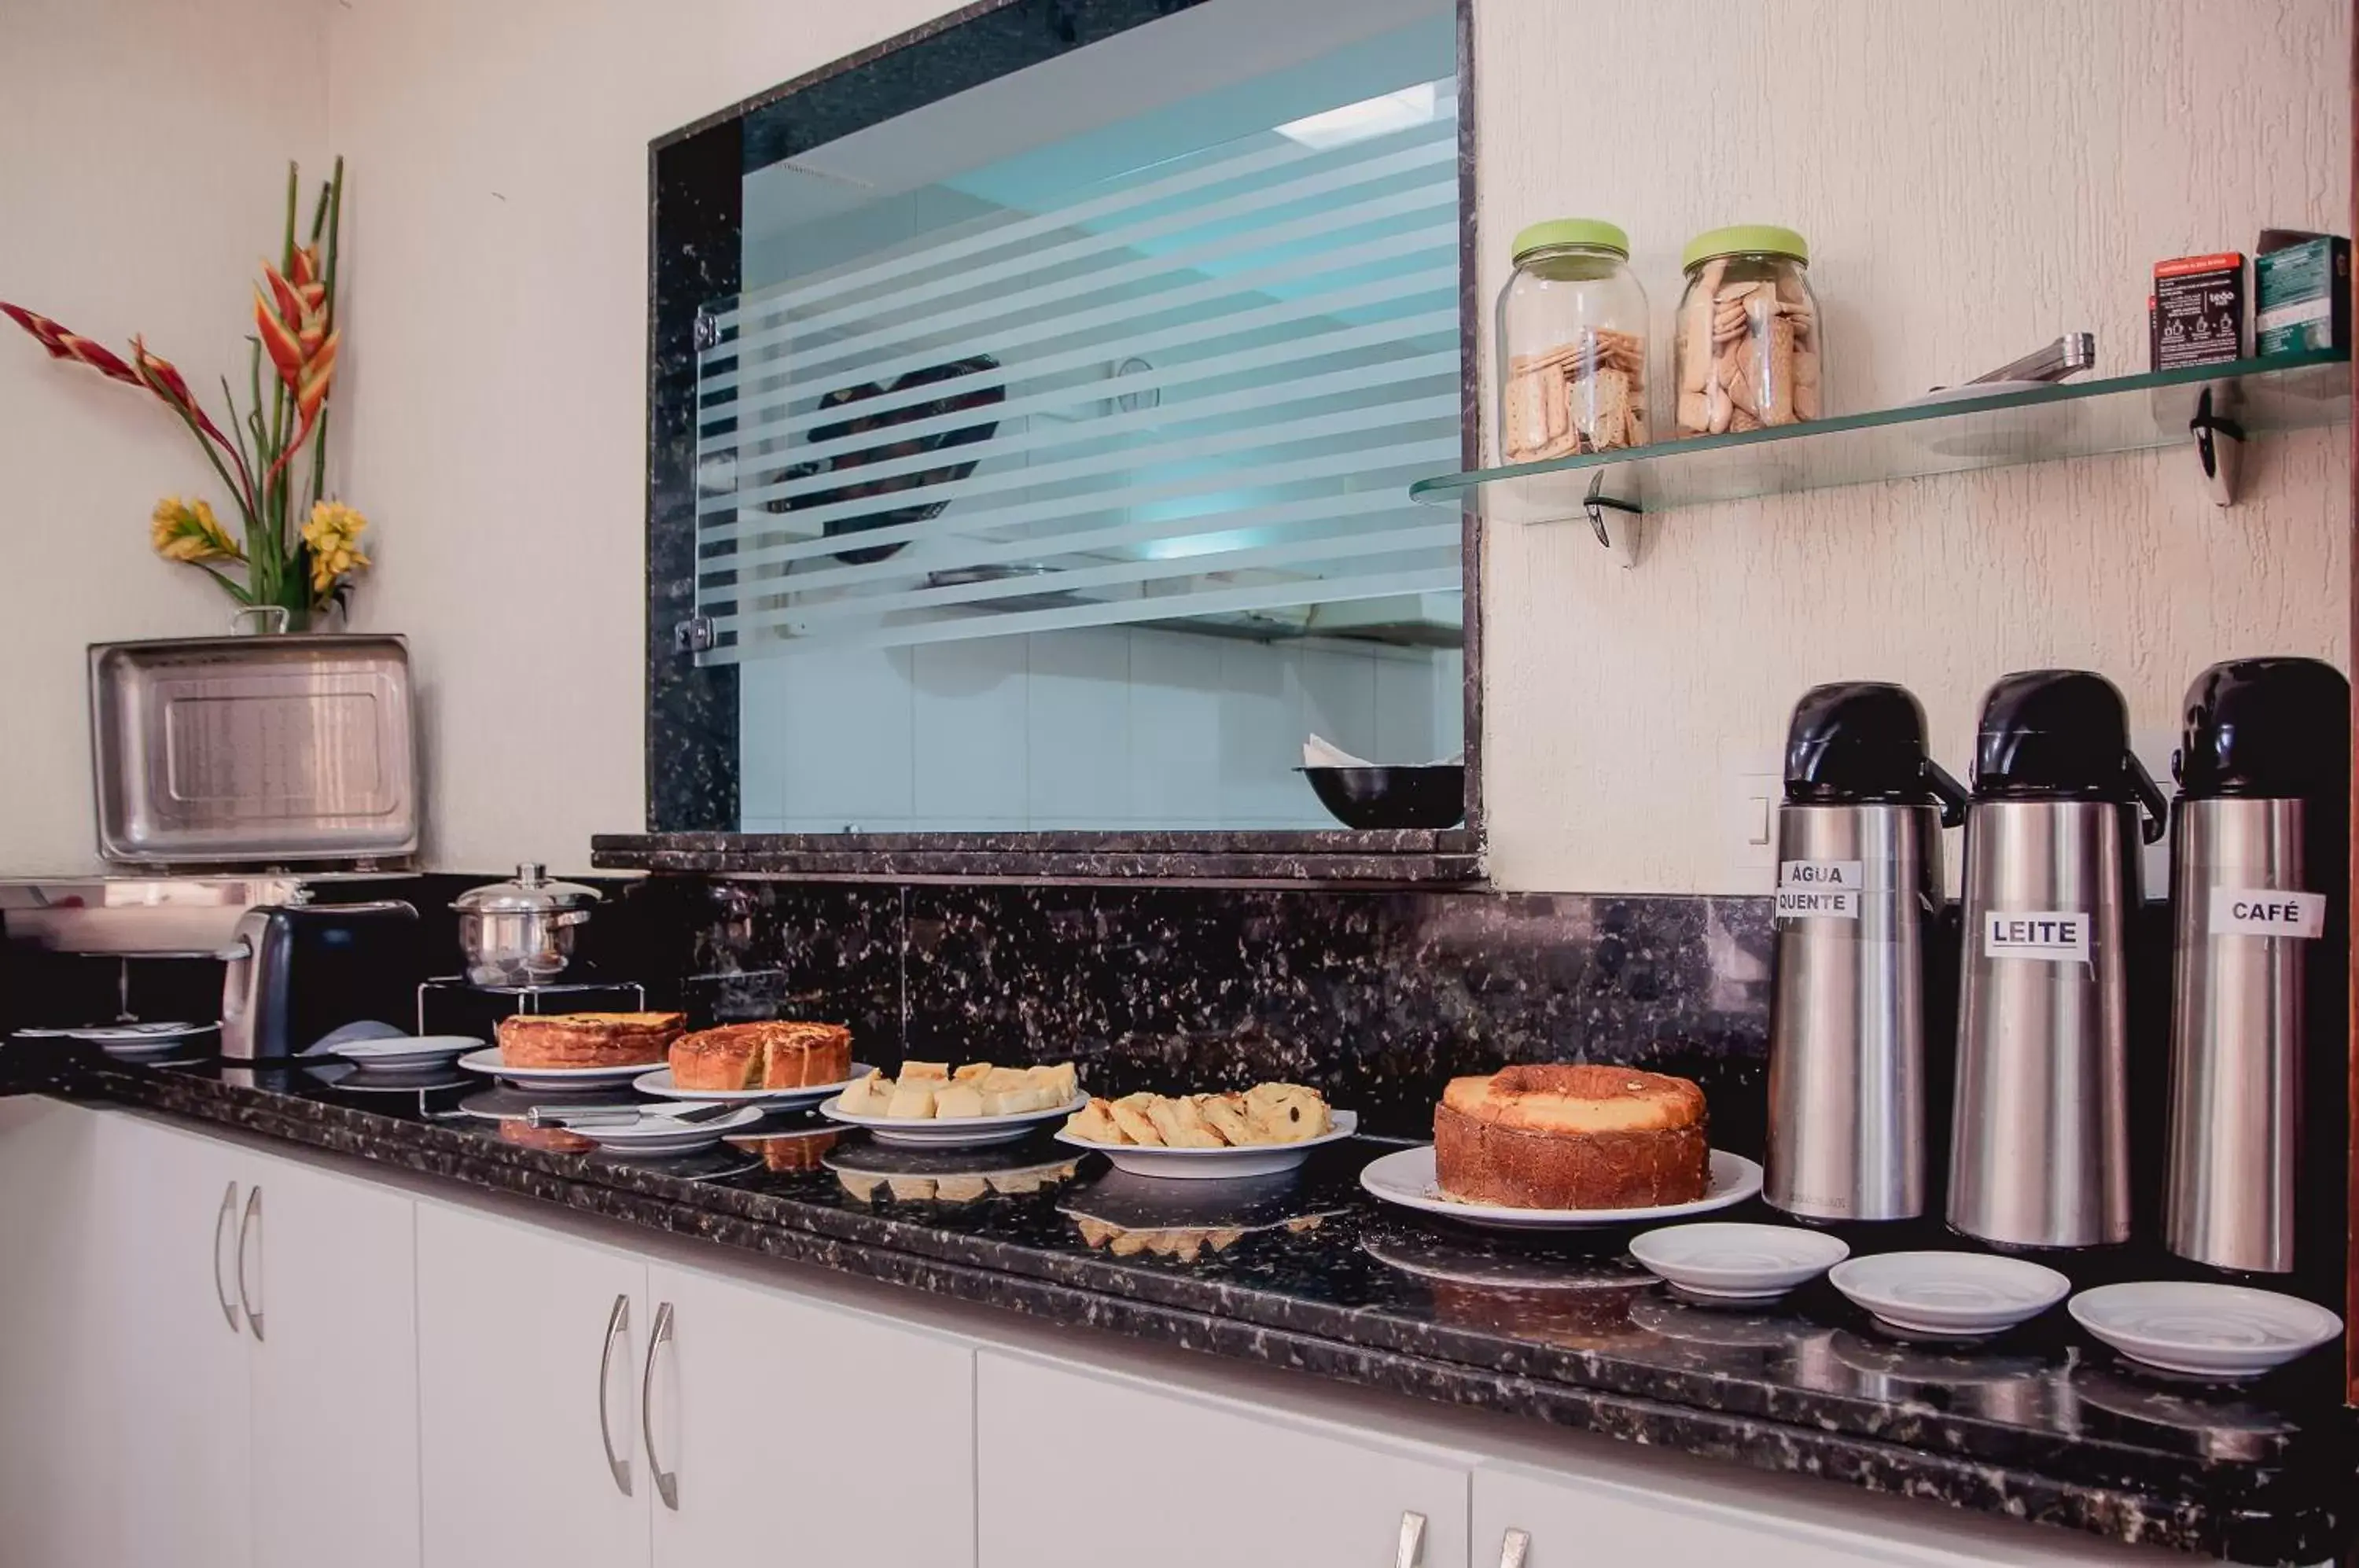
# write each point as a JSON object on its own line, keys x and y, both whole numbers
{"x": 958, "y": 1100}
{"x": 1225, "y": 1115}
{"x": 1182, "y": 1125}
{"x": 1130, "y": 1115}
{"x": 925, "y": 1073}
{"x": 867, "y": 1097}
{"x": 971, "y": 1071}
{"x": 1056, "y": 1084}
{"x": 1014, "y": 1102}
{"x": 1093, "y": 1123}
{"x": 911, "y": 1102}
{"x": 1285, "y": 1113}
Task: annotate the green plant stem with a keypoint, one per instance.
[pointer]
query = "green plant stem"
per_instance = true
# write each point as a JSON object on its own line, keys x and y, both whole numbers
{"x": 331, "y": 205}
{"x": 229, "y": 585}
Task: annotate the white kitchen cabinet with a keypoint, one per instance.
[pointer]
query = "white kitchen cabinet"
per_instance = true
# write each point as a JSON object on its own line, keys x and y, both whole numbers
{"x": 801, "y": 1432}
{"x": 262, "y": 1384}
{"x": 527, "y": 1338}
{"x": 178, "y": 1394}
{"x": 1579, "y": 1522}
{"x": 1082, "y": 1468}
{"x": 329, "y": 1268}
{"x": 54, "y": 1351}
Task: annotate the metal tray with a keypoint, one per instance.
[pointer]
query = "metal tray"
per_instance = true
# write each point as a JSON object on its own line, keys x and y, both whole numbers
{"x": 253, "y": 749}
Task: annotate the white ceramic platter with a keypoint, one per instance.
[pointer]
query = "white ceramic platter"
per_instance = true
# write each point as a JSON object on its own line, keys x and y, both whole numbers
{"x": 1216, "y": 1164}
{"x": 487, "y": 1062}
{"x": 658, "y": 1130}
{"x": 1950, "y": 1295}
{"x": 2206, "y": 1330}
{"x": 950, "y": 1132}
{"x": 1737, "y": 1262}
{"x": 411, "y": 1053}
{"x": 1406, "y": 1177}
{"x": 658, "y": 1083}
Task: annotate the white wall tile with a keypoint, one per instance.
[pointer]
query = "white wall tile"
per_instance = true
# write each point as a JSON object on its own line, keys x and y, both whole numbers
{"x": 970, "y": 716}
{"x": 1261, "y": 738}
{"x": 1175, "y": 727}
{"x": 840, "y": 720}
{"x": 1079, "y": 739}
{"x": 1335, "y": 691}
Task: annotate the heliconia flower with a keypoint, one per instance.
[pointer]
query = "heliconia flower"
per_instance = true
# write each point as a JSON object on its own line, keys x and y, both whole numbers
{"x": 188, "y": 530}
{"x": 64, "y": 343}
{"x": 332, "y": 532}
{"x": 160, "y": 376}
{"x": 292, "y": 319}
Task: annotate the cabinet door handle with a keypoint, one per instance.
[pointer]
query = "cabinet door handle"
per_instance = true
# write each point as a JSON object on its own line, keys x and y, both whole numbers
{"x": 251, "y": 1219}
{"x": 1412, "y": 1541}
{"x": 618, "y": 1322}
{"x": 667, "y": 1483}
{"x": 1512, "y": 1547}
{"x": 220, "y": 1224}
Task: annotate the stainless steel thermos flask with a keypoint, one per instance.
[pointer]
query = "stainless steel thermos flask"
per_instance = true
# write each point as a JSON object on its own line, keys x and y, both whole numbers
{"x": 1859, "y": 891}
{"x": 2253, "y": 1178}
{"x": 2039, "y": 1137}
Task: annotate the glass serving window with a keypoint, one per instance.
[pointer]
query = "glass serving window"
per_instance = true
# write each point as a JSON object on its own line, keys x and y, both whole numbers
{"x": 1053, "y": 462}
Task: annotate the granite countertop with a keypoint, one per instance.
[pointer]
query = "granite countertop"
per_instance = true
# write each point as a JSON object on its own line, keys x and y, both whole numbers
{"x": 1305, "y": 1272}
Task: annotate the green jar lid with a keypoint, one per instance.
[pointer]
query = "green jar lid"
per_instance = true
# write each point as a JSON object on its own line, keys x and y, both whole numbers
{"x": 1746, "y": 239}
{"x": 1557, "y": 232}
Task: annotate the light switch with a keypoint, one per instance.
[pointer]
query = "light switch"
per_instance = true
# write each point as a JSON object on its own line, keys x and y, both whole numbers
{"x": 1752, "y": 781}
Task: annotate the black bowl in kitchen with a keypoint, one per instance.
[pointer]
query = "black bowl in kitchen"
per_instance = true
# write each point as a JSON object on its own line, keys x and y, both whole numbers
{"x": 1430, "y": 796}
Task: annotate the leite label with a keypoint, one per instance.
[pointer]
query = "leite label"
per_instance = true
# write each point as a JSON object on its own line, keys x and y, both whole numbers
{"x": 1819, "y": 890}
{"x": 2266, "y": 912}
{"x": 2051, "y": 936}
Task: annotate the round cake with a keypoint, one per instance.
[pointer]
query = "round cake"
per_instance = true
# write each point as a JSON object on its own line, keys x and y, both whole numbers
{"x": 587, "y": 1039}
{"x": 1572, "y": 1137}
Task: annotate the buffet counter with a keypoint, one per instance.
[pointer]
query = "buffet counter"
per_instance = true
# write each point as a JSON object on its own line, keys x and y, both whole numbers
{"x": 1304, "y": 1273}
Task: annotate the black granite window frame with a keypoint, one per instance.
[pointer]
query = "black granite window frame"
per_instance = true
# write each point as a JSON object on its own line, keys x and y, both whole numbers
{"x": 696, "y": 178}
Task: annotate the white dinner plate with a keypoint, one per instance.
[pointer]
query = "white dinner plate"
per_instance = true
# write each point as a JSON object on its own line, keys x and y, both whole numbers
{"x": 1406, "y": 1177}
{"x": 658, "y": 1131}
{"x": 1950, "y": 1295}
{"x": 406, "y": 1051}
{"x": 658, "y": 1083}
{"x": 2210, "y": 1330}
{"x": 487, "y": 1060}
{"x": 950, "y": 1132}
{"x": 1737, "y": 1262}
{"x": 1215, "y": 1164}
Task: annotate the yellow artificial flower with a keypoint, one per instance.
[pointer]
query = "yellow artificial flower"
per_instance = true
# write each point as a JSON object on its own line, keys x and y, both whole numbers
{"x": 188, "y": 530}
{"x": 333, "y": 533}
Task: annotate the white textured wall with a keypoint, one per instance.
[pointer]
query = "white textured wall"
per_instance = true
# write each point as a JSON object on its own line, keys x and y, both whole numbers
{"x": 499, "y": 370}
{"x": 1973, "y": 180}
{"x": 143, "y": 152}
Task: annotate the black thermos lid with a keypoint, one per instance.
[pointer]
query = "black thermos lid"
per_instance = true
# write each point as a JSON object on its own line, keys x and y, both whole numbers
{"x": 1857, "y": 741}
{"x": 2053, "y": 733}
{"x": 2274, "y": 728}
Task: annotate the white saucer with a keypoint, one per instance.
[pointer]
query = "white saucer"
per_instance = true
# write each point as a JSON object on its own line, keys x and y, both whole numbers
{"x": 2210, "y": 1330}
{"x": 1737, "y": 1262}
{"x": 487, "y": 1062}
{"x": 1216, "y": 1164}
{"x": 950, "y": 1132}
{"x": 658, "y": 1083}
{"x": 657, "y": 1131}
{"x": 391, "y": 1054}
{"x": 1950, "y": 1295}
{"x": 1406, "y": 1177}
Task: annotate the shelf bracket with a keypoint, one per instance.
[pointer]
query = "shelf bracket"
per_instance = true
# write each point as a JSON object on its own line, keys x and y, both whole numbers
{"x": 2219, "y": 445}
{"x": 1620, "y": 534}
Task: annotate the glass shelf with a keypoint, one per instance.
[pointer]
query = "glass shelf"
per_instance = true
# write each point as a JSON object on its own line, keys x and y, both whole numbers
{"x": 2080, "y": 418}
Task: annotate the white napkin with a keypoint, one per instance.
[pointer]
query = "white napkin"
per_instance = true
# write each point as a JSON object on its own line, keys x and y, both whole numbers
{"x": 1318, "y": 752}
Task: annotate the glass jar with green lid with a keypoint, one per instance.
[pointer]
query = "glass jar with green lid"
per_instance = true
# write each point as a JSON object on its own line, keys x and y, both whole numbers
{"x": 1745, "y": 352}
{"x": 1571, "y": 343}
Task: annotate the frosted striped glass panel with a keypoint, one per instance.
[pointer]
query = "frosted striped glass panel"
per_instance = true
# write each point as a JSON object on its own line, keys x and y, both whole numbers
{"x": 1194, "y": 394}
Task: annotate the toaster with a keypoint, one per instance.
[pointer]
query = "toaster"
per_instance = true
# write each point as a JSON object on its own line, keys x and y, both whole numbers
{"x": 301, "y": 971}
